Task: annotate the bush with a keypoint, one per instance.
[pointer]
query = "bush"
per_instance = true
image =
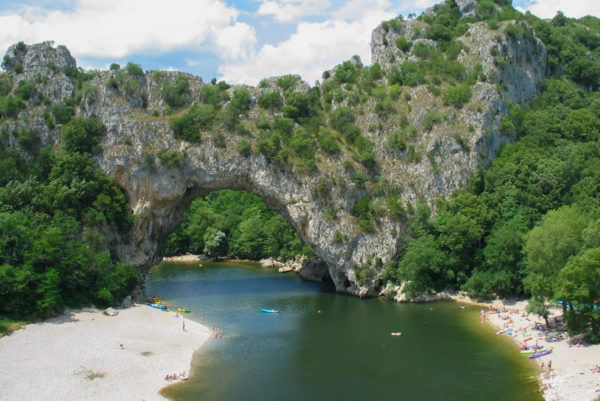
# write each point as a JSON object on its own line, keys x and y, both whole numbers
{"x": 214, "y": 95}
{"x": 188, "y": 126}
{"x": 297, "y": 106}
{"x": 287, "y": 82}
{"x": 461, "y": 141}
{"x": 403, "y": 44}
{"x": 396, "y": 142}
{"x": 112, "y": 83}
{"x": 10, "y": 106}
{"x": 457, "y": 96}
{"x": 384, "y": 108}
{"x": 134, "y": 70}
{"x": 329, "y": 143}
{"x": 302, "y": 145}
{"x": 270, "y": 101}
{"x": 348, "y": 72}
{"x": 244, "y": 148}
{"x": 63, "y": 113}
{"x": 176, "y": 94}
{"x": 28, "y": 137}
{"x": 362, "y": 209}
{"x": 25, "y": 89}
{"x": 285, "y": 125}
{"x": 6, "y": 85}
{"x": 430, "y": 119}
{"x": 241, "y": 100}
{"x": 82, "y": 134}
{"x": 170, "y": 158}
{"x": 411, "y": 74}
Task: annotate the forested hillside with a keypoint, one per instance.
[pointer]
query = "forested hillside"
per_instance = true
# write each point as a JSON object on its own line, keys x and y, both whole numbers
{"x": 530, "y": 224}
{"x": 54, "y": 206}
{"x": 237, "y": 225}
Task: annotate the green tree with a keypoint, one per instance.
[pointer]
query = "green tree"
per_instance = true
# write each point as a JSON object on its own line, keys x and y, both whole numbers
{"x": 549, "y": 246}
{"x": 82, "y": 134}
{"x": 422, "y": 266}
{"x": 579, "y": 286}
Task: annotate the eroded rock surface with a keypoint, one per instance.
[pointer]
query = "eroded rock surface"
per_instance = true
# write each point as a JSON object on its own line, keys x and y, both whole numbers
{"x": 160, "y": 192}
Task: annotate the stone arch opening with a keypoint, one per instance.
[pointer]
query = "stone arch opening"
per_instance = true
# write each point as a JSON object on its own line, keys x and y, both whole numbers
{"x": 234, "y": 224}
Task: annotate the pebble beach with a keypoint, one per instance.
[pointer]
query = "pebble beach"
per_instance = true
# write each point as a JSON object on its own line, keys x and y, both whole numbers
{"x": 84, "y": 355}
{"x": 573, "y": 375}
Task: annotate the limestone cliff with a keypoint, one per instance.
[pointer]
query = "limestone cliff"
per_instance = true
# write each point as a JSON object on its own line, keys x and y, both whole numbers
{"x": 445, "y": 152}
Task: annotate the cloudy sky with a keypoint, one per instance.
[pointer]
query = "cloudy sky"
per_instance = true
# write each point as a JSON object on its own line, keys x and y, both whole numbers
{"x": 241, "y": 41}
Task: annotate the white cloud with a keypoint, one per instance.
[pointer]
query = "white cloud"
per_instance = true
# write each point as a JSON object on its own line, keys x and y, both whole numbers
{"x": 571, "y": 8}
{"x": 354, "y": 9}
{"x": 236, "y": 41}
{"x": 312, "y": 49}
{"x": 116, "y": 28}
{"x": 289, "y": 10}
{"x": 425, "y": 3}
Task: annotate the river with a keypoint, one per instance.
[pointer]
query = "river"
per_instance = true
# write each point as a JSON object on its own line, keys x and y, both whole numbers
{"x": 327, "y": 346}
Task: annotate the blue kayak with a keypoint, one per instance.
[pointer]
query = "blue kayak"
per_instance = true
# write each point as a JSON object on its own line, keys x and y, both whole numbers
{"x": 267, "y": 310}
{"x": 156, "y": 306}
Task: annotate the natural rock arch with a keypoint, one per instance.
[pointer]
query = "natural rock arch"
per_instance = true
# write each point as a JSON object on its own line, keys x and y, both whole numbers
{"x": 161, "y": 198}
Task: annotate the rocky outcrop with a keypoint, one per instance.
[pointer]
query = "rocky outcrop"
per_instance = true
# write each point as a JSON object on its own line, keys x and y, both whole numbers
{"x": 466, "y": 7}
{"x": 308, "y": 269}
{"x": 161, "y": 175}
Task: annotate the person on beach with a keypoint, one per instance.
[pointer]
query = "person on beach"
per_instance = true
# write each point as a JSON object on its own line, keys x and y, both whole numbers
{"x": 183, "y": 324}
{"x": 549, "y": 365}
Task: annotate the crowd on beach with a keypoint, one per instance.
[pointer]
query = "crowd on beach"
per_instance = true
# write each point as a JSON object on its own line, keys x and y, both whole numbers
{"x": 568, "y": 366}
{"x": 177, "y": 376}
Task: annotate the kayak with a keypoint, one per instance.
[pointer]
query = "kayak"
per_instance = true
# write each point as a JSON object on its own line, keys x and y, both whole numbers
{"x": 156, "y": 306}
{"x": 501, "y": 331}
{"x": 532, "y": 351}
{"x": 540, "y": 354}
{"x": 266, "y": 310}
{"x": 183, "y": 310}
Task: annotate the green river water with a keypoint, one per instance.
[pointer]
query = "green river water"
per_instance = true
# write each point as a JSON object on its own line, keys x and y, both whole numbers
{"x": 343, "y": 352}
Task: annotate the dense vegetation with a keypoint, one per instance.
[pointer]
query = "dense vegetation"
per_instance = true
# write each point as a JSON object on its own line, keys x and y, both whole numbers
{"x": 54, "y": 204}
{"x": 236, "y": 225}
{"x": 530, "y": 224}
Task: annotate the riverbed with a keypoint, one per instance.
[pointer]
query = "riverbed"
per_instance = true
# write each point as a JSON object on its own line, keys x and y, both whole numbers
{"x": 325, "y": 346}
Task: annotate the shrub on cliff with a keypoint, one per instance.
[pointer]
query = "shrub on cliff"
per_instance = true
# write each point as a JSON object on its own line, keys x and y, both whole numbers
{"x": 82, "y": 134}
{"x": 176, "y": 94}
{"x": 188, "y": 126}
{"x": 457, "y": 96}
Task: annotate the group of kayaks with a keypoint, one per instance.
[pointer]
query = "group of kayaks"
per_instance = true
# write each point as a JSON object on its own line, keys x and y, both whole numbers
{"x": 158, "y": 304}
{"x": 535, "y": 351}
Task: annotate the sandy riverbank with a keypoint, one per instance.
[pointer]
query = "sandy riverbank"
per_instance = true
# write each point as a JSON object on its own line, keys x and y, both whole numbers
{"x": 187, "y": 258}
{"x": 571, "y": 377}
{"x": 78, "y": 356}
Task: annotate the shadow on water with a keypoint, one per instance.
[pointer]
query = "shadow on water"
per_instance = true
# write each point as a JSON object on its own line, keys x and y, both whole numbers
{"x": 325, "y": 346}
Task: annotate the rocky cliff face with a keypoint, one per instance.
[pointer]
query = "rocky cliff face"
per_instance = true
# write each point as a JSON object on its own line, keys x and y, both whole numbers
{"x": 160, "y": 190}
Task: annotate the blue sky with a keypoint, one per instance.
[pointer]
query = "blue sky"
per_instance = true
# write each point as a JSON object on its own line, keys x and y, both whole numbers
{"x": 238, "y": 40}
